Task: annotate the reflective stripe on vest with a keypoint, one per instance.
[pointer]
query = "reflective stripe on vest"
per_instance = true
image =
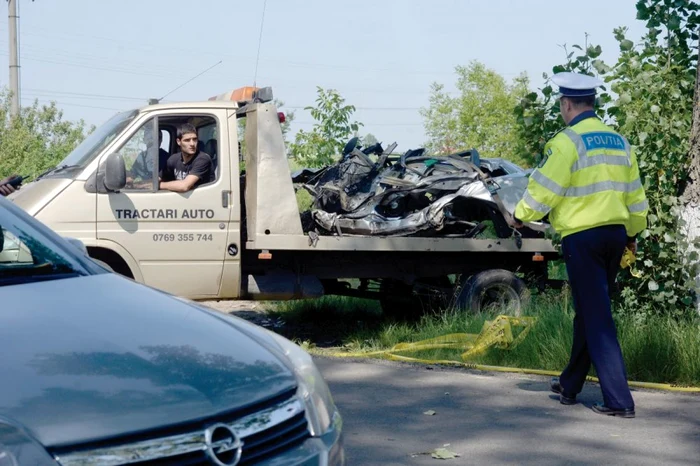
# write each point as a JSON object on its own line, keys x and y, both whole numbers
{"x": 534, "y": 205}
{"x": 553, "y": 186}
{"x": 597, "y": 141}
{"x": 639, "y": 206}
{"x": 601, "y": 186}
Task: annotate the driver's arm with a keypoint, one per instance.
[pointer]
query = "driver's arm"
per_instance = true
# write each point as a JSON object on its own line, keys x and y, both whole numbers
{"x": 180, "y": 186}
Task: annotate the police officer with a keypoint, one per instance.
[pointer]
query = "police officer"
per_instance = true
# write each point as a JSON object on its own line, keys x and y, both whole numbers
{"x": 588, "y": 184}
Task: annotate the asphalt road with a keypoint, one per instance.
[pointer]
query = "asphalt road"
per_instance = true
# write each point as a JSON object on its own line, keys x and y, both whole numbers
{"x": 500, "y": 419}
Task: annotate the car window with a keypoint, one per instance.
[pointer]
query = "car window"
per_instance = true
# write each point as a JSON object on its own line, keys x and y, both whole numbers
{"x": 207, "y": 135}
{"x": 140, "y": 157}
{"x": 88, "y": 149}
{"x": 25, "y": 258}
{"x": 13, "y": 251}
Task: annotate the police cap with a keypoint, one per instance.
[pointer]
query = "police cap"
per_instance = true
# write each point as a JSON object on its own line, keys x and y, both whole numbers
{"x": 576, "y": 84}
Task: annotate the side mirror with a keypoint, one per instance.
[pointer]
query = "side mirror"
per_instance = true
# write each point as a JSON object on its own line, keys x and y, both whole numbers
{"x": 115, "y": 173}
{"x": 78, "y": 244}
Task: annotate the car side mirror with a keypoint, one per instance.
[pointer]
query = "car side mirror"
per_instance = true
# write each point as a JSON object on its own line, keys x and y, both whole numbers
{"x": 115, "y": 172}
{"x": 78, "y": 244}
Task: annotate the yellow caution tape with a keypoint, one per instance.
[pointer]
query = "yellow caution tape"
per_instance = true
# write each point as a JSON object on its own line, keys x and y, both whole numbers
{"x": 499, "y": 333}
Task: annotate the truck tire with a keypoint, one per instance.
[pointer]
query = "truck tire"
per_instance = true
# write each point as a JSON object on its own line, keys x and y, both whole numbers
{"x": 494, "y": 291}
{"x": 400, "y": 300}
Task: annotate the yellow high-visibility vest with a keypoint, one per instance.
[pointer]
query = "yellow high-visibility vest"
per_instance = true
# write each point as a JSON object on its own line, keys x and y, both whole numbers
{"x": 590, "y": 178}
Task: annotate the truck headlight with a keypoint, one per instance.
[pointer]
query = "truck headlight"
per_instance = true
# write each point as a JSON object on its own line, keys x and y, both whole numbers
{"x": 312, "y": 387}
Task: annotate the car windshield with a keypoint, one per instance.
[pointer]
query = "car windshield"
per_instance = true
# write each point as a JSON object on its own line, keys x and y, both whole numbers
{"x": 30, "y": 252}
{"x": 98, "y": 140}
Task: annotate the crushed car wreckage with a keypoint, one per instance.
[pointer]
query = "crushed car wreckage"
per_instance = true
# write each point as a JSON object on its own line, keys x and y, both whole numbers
{"x": 416, "y": 195}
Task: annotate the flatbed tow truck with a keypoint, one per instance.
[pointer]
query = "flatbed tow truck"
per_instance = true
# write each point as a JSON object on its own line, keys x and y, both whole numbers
{"x": 240, "y": 236}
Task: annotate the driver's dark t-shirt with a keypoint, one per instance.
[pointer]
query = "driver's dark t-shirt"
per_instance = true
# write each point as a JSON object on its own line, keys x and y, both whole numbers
{"x": 200, "y": 165}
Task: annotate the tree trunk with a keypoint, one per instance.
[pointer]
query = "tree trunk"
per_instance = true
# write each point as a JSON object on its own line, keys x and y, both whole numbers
{"x": 691, "y": 195}
{"x": 690, "y": 198}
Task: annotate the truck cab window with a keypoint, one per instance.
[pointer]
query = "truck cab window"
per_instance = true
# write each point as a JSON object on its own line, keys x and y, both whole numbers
{"x": 190, "y": 162}
{"x": 143, "y": 154}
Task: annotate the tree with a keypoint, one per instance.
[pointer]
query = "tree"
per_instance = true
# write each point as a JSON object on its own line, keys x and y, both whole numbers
{"x": 654, "y": 82}
{"x": 537, "y": 113}
{"x": 36, "y": 139}
{"x": 369, "y": 140}
{"x": 328, "y": 136}
{"x": 480, "y": 117}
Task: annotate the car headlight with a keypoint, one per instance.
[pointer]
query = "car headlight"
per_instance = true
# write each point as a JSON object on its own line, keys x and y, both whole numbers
{"x": 312, "y": 386}
{"x": 18, "y": 448}
{"x": 322, "y": 413}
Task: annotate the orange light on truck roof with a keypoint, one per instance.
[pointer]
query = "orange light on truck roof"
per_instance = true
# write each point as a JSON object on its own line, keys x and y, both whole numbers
{"x": 242, "y": 94}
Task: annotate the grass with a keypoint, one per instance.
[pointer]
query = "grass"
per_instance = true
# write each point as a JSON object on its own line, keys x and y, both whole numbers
{"x": 658, "y": 349}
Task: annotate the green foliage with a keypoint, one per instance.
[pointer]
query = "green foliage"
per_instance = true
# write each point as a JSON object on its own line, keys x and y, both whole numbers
{"x": 37, "y": 139}
{"x": 656, "y": 348}
{"x": 654, "y": 83}
{"x": 537, "y": 113}
{"x": 328, "y": 136}
{"x": 369, "y": 139}
{"x": 480, "y": 117}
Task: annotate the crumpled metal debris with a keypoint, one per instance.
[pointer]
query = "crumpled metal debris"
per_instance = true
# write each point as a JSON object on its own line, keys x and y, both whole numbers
{"x": 416, "y": 195}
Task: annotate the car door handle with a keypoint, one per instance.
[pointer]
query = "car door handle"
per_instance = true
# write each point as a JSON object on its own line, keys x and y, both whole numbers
{"x": 224, "y": 198}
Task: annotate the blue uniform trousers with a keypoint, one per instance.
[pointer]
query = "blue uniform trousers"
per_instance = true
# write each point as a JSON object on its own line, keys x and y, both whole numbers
{"x": 592, "y": 261}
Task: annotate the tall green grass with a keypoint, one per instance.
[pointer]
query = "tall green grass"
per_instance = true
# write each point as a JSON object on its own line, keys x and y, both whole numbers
{"x": 657, "y": 349}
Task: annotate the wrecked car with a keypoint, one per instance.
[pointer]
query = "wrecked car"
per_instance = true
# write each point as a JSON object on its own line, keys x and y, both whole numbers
{"x": 417, "y": 194}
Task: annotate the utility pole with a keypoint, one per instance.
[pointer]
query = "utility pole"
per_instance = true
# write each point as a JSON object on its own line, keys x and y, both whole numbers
{"x": 14, "y": 59}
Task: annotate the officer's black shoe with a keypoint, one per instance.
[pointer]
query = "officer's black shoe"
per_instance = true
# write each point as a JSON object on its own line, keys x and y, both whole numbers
{"x": 602, "y": 409}
{"x": 564, "y": 398}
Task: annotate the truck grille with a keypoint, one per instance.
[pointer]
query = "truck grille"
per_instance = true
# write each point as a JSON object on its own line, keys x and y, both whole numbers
{"x": 264, "y": 433}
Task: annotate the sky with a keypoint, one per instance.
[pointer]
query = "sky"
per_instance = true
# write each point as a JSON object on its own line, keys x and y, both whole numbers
{"x": 95, "y": 58}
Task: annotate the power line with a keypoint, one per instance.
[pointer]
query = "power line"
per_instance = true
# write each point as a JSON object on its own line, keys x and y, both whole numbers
{"x": 116, "y": 70}
{"x": 364, "y": 123}
{"x": 68, "y": 104}
{"x": 84, "y": 95}
{"x": 189, "y": 81}
{"x": 296, "y": 107}
{"x": 301, "y": 64}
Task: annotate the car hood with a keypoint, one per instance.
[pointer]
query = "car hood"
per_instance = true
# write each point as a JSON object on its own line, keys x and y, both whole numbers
{"x": 79, "y": 366}
{"x": 34, "y": 196}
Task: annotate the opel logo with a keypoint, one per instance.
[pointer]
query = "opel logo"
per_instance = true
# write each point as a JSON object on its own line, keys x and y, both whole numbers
{"x": 223, "y": 447}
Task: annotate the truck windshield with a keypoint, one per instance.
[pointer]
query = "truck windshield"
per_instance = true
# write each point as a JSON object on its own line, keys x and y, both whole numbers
{"x": 28, "y": 253}
{"x": 97, "y": 140}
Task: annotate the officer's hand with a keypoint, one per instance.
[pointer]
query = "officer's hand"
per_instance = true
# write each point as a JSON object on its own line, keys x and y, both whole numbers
{"x": 632, "y": 246}
{"x": 514, "y": 222}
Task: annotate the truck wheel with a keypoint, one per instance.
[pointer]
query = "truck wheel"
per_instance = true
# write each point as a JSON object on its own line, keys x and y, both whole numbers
{"x": 495, "y": 291}
{"x": 402, "y": 301}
